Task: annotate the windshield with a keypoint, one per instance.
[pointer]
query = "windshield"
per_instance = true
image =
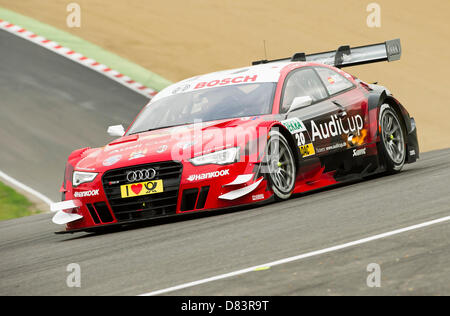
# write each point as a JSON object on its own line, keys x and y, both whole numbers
{"x": 206, "y": 105}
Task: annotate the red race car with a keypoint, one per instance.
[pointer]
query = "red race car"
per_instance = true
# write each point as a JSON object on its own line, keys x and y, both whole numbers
{"x": 240, "y": 137}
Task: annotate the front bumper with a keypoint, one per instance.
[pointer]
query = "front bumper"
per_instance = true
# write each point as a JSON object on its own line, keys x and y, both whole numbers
{"x": 187, "y": 189}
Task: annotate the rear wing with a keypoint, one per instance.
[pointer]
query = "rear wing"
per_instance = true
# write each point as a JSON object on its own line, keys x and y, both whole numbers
{"x": 345, "y": 56}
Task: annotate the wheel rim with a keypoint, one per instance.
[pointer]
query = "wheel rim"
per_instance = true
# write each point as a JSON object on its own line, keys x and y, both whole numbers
{"x": 393, "y": 137}
{"x": 281, "y": 164}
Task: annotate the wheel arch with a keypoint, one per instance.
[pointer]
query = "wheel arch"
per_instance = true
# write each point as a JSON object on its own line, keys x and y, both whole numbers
{"x": 376, "y": 100}
{"x": 292, "y": 143}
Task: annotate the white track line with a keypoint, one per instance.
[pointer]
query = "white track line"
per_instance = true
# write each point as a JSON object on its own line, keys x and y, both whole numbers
{"x": 25, "y": 188}
{"x": 298, "y": 257}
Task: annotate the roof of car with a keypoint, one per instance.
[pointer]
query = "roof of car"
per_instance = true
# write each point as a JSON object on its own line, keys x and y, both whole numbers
{"x": 269, "y": 72}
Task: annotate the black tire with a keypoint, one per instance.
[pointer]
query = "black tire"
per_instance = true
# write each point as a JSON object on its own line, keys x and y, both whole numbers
{"x": 392, "y": 142}
{"x": 281, "y": 169}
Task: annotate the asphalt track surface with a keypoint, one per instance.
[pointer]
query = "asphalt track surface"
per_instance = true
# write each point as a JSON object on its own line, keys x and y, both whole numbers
{"x": 49, "y": 106}
{"x": 162, "y": 254}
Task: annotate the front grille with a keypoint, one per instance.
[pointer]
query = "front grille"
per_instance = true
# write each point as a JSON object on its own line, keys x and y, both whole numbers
{"x": 146, "y": 206}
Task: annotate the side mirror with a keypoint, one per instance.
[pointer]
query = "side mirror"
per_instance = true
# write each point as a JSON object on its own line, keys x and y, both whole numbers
{"x": 300, "y": 102}
{"x": 116, "y": 131}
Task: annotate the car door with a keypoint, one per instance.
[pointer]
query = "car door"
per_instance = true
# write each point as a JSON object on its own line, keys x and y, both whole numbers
{"x": 315, "y": 134}
{"x": 352, "y": 106}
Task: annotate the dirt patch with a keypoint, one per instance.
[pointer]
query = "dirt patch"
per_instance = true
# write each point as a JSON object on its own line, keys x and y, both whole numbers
{"x": 179, "y": 39}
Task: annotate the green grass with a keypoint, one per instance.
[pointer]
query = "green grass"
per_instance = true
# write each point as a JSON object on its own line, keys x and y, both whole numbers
{"x": 13, "y": 204}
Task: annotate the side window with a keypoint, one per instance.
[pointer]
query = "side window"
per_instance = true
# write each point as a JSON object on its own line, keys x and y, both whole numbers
{"x": 333, "y": 81}
{"x": 303, "y": 82}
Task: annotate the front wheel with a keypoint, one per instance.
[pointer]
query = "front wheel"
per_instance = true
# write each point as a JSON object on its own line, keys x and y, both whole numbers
{"x": 393, "y": 148}
{"x": 281, "y": 167}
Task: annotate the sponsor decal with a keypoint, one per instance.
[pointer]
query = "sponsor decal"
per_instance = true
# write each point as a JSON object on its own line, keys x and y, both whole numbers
{"x": 412, "y": 152}
{"x": 334, "y": 79}
{"x": 162, "y": 149}
{"x": 335, "y": 146}
{"x": 357, "y": 140}
{"x": 112, "y": 160}
{"x": 86, "y": 193}
{"x": 210, "y": 150}
{"x": 186, "y": 145}
{"x": 297, "y": 128}
{"x": 348, "y": 76}
{"x": 142, "y": 188}
{"x": 359, "y": 152}
{"x": 257, "y": 197}
{"x": 294, "y": 125}
{"x": 138, "y": 154}
{"x": 158, "y": 142}
{"x": 181, "y": 89}
{"x": 307, "y": 150}
{"x": 226, "y": 81}
{"x": 337, "y": 126}
{"x": 126, "y": 148}
{"x": 208, "y": 175}
{"x": 159, "y": 135}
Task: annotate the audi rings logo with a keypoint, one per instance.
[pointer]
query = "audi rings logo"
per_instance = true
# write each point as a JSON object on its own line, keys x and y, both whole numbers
{"x": 141, "y": 175}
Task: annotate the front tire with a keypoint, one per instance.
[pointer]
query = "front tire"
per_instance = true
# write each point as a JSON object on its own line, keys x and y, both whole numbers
{"x": 281, "y": 167}
{"x": 392, "y": 143}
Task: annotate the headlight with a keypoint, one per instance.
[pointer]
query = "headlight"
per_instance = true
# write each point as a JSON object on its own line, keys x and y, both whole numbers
{"x": 222, "y": 157}
{"x": 82, "y": 177}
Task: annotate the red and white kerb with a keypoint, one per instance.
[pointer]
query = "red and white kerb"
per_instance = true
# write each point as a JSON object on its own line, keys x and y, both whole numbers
{"x": 77, "y": 57}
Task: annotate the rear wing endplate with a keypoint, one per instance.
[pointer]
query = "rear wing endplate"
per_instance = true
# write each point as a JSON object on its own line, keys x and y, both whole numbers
{"x": 346, "y": 56}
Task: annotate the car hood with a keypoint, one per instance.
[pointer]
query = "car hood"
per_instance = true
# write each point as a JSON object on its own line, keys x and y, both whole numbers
{"x": 175, "y": 143}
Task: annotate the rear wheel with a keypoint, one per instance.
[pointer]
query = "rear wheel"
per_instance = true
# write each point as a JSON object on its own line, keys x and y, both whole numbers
{"x": 281, "y": 167}
{"x": 393, "y": 146}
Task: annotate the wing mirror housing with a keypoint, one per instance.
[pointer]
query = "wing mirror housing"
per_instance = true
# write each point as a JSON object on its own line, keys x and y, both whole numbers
{"x": 300, "y": 102}
{"x": 116, "y": 131}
